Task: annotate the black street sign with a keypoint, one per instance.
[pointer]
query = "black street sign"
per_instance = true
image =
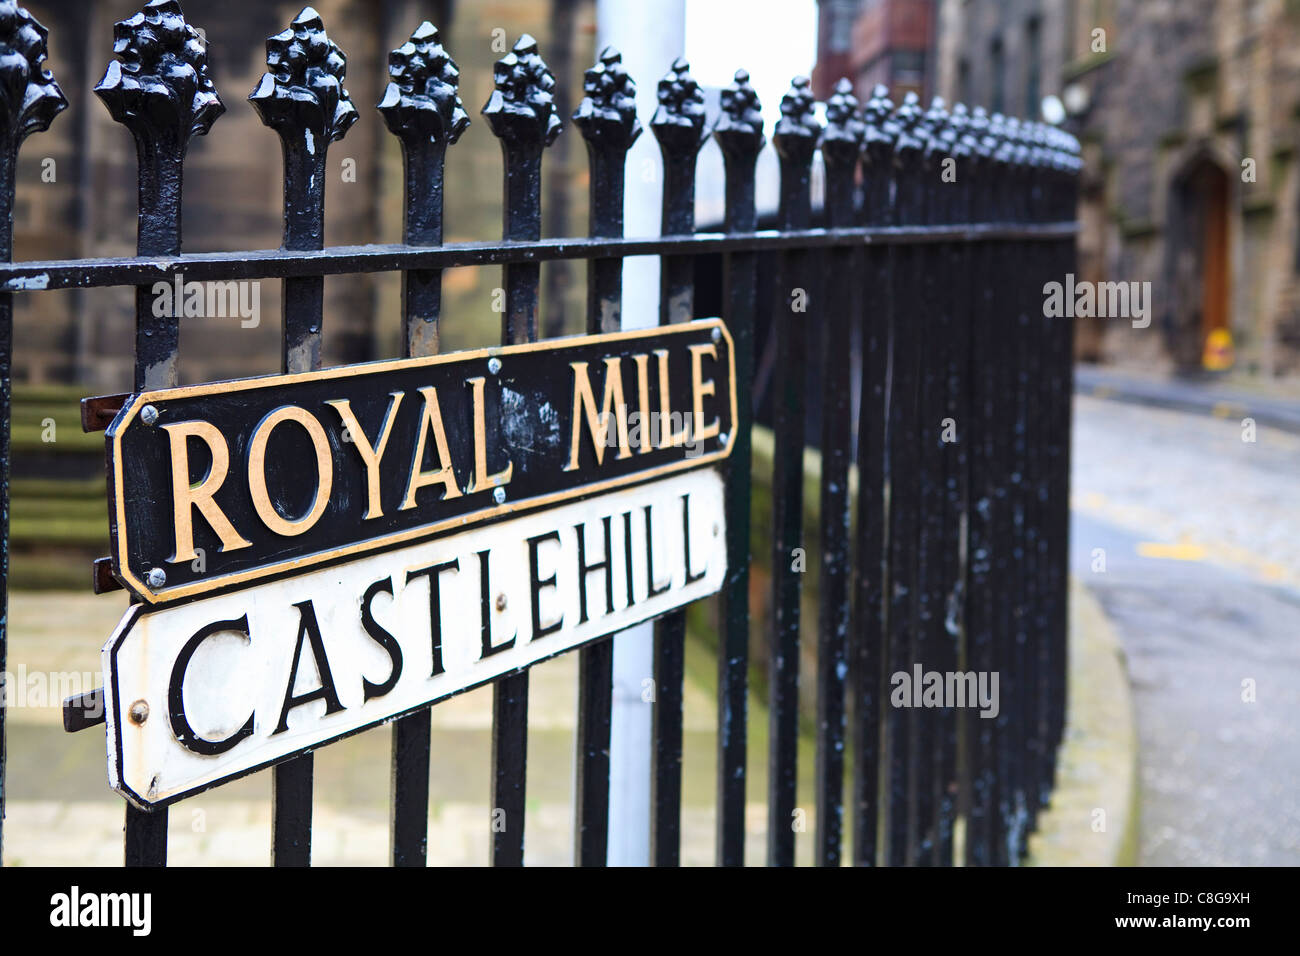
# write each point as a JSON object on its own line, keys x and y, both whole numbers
{"x": 215, "y": 486}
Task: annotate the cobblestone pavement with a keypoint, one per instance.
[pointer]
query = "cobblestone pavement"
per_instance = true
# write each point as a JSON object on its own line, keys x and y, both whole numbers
{"x": 1190, "y": 537}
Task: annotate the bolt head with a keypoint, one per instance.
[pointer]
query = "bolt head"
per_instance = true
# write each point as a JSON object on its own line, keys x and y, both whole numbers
{"x": 501, "y": 601}
{"x": 499, "y": 495}
{"x": 494, "y": 365}
{"x": 717, "y": 334}
{"x": 149, "y": 415}
{"x": 139, "y": 712}
{"x": 722, "y": 438}
{"x": 156, "y": 578}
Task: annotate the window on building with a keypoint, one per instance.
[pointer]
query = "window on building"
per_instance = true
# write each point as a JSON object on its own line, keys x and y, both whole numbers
{"x": 998, "y": 70}
{"x": 1033, "y": 68}
{"x": 840, "y": 25}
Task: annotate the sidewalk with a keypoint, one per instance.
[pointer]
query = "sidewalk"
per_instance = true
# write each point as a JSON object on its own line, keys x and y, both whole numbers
{"x": 1264, "y": 402}
{"x": 60, "y": 811}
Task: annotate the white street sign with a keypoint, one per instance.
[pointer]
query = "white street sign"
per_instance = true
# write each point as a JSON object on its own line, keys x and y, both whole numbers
{"x": 202, "y": 692}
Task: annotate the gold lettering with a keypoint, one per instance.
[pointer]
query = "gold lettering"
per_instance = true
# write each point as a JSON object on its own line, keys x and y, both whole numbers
{"x": 443, "y": 475}
{"x": 666, "y": 437}
{"x": 481, "y": 480}
{"x": 185, "y": 497}
{"x": 257, "y": 470}
{"x": 584, "y": 403}
{"x": 370, "y": 455}
{"x": 700, "y": 388}
{"x": 643, "y": 396}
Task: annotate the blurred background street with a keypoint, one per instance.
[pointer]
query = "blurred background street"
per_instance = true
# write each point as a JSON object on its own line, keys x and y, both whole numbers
{"x": 1190, "y": 538}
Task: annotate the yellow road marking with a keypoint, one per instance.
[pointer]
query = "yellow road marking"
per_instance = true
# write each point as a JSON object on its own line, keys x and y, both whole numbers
{"x": 1182, "y": 551}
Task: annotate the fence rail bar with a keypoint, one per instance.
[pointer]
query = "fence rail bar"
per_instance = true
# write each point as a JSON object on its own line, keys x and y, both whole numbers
{"x": 37, "y": 275}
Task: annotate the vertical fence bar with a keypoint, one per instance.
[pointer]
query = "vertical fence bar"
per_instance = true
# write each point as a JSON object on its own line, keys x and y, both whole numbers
{"x": 796, "y": 138}
{"x": 840, "y": 144}
{"x": 607, "y": 120}
{"x": 521, "y": 113}
{"x": 955, "y": 209}
{"x": 29, "y": 101}
{"x": 902, "y": 429}
{"x": 302, "y": 98}
{"x": 937, "y": 438}
{"x": 160, "y": 90}
{"x": 933, "y": 341}
{"x": 1038, "y": 439}
{"x": 1027, "y": 370}
{"x": 1064, "y": 204}
{"x": 979, "y": 733}
{"x": 678, "y": 125}
{"x": 739, "y": 135}
{"x": 871, "y": 606}
{"x": 422, "y": 108}
{"x": 1002, "y": 584}
{"x": 1011, "y": 552}
{"x": 1041, "y": 443}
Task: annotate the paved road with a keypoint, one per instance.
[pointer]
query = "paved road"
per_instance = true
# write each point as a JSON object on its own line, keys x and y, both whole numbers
{"x": 1199, "y": 532}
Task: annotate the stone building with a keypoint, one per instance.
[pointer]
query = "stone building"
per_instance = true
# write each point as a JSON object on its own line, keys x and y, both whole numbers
{"x": 1189, "y": 114}
{"x": 76, "y": 193}
{"x": 875, "y": 41}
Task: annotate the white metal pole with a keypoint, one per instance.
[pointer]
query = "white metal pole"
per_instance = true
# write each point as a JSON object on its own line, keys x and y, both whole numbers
{"x": 650, "y": 36}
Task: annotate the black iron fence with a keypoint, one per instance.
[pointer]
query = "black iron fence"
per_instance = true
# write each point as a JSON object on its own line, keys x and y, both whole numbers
{"x": 941, "y": 229}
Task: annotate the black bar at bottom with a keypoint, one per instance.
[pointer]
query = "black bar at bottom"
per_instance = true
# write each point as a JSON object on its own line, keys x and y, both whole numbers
{"x": 410, "y": 831}
{"x": 509, "y": 767}
{"x": 146, "y": 837}
{"x": 595, "y": 699}
{"x": 291, "y": 812}
{"x": 666, "y": 772}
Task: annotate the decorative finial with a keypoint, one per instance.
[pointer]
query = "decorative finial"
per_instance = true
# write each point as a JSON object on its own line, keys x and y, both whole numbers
{"x": 421, "y": 99}
{"x": 798, "y": 118}
{"x": 521, "y": 106}
{"x": 303, "y": 85}
{"x": 842, "y": 138}
{"x": 937, "y": 129}
{"x": 908, "y": 119}
{"x": 741, "y": 116}
{"x": 1002, "y": 147}
{"x": 979, "y": 131}
{"x": 31, "y": 99}
{"x": 961, "y": 141}
{"x": 678, "y": 122}
{"x": 879, "y": 128}
{"x": 160, "y": 79}
{"x": 607, "y": 113}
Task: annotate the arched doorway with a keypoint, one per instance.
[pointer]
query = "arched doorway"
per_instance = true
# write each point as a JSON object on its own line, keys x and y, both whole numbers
{"x": 1198, "y": 260}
